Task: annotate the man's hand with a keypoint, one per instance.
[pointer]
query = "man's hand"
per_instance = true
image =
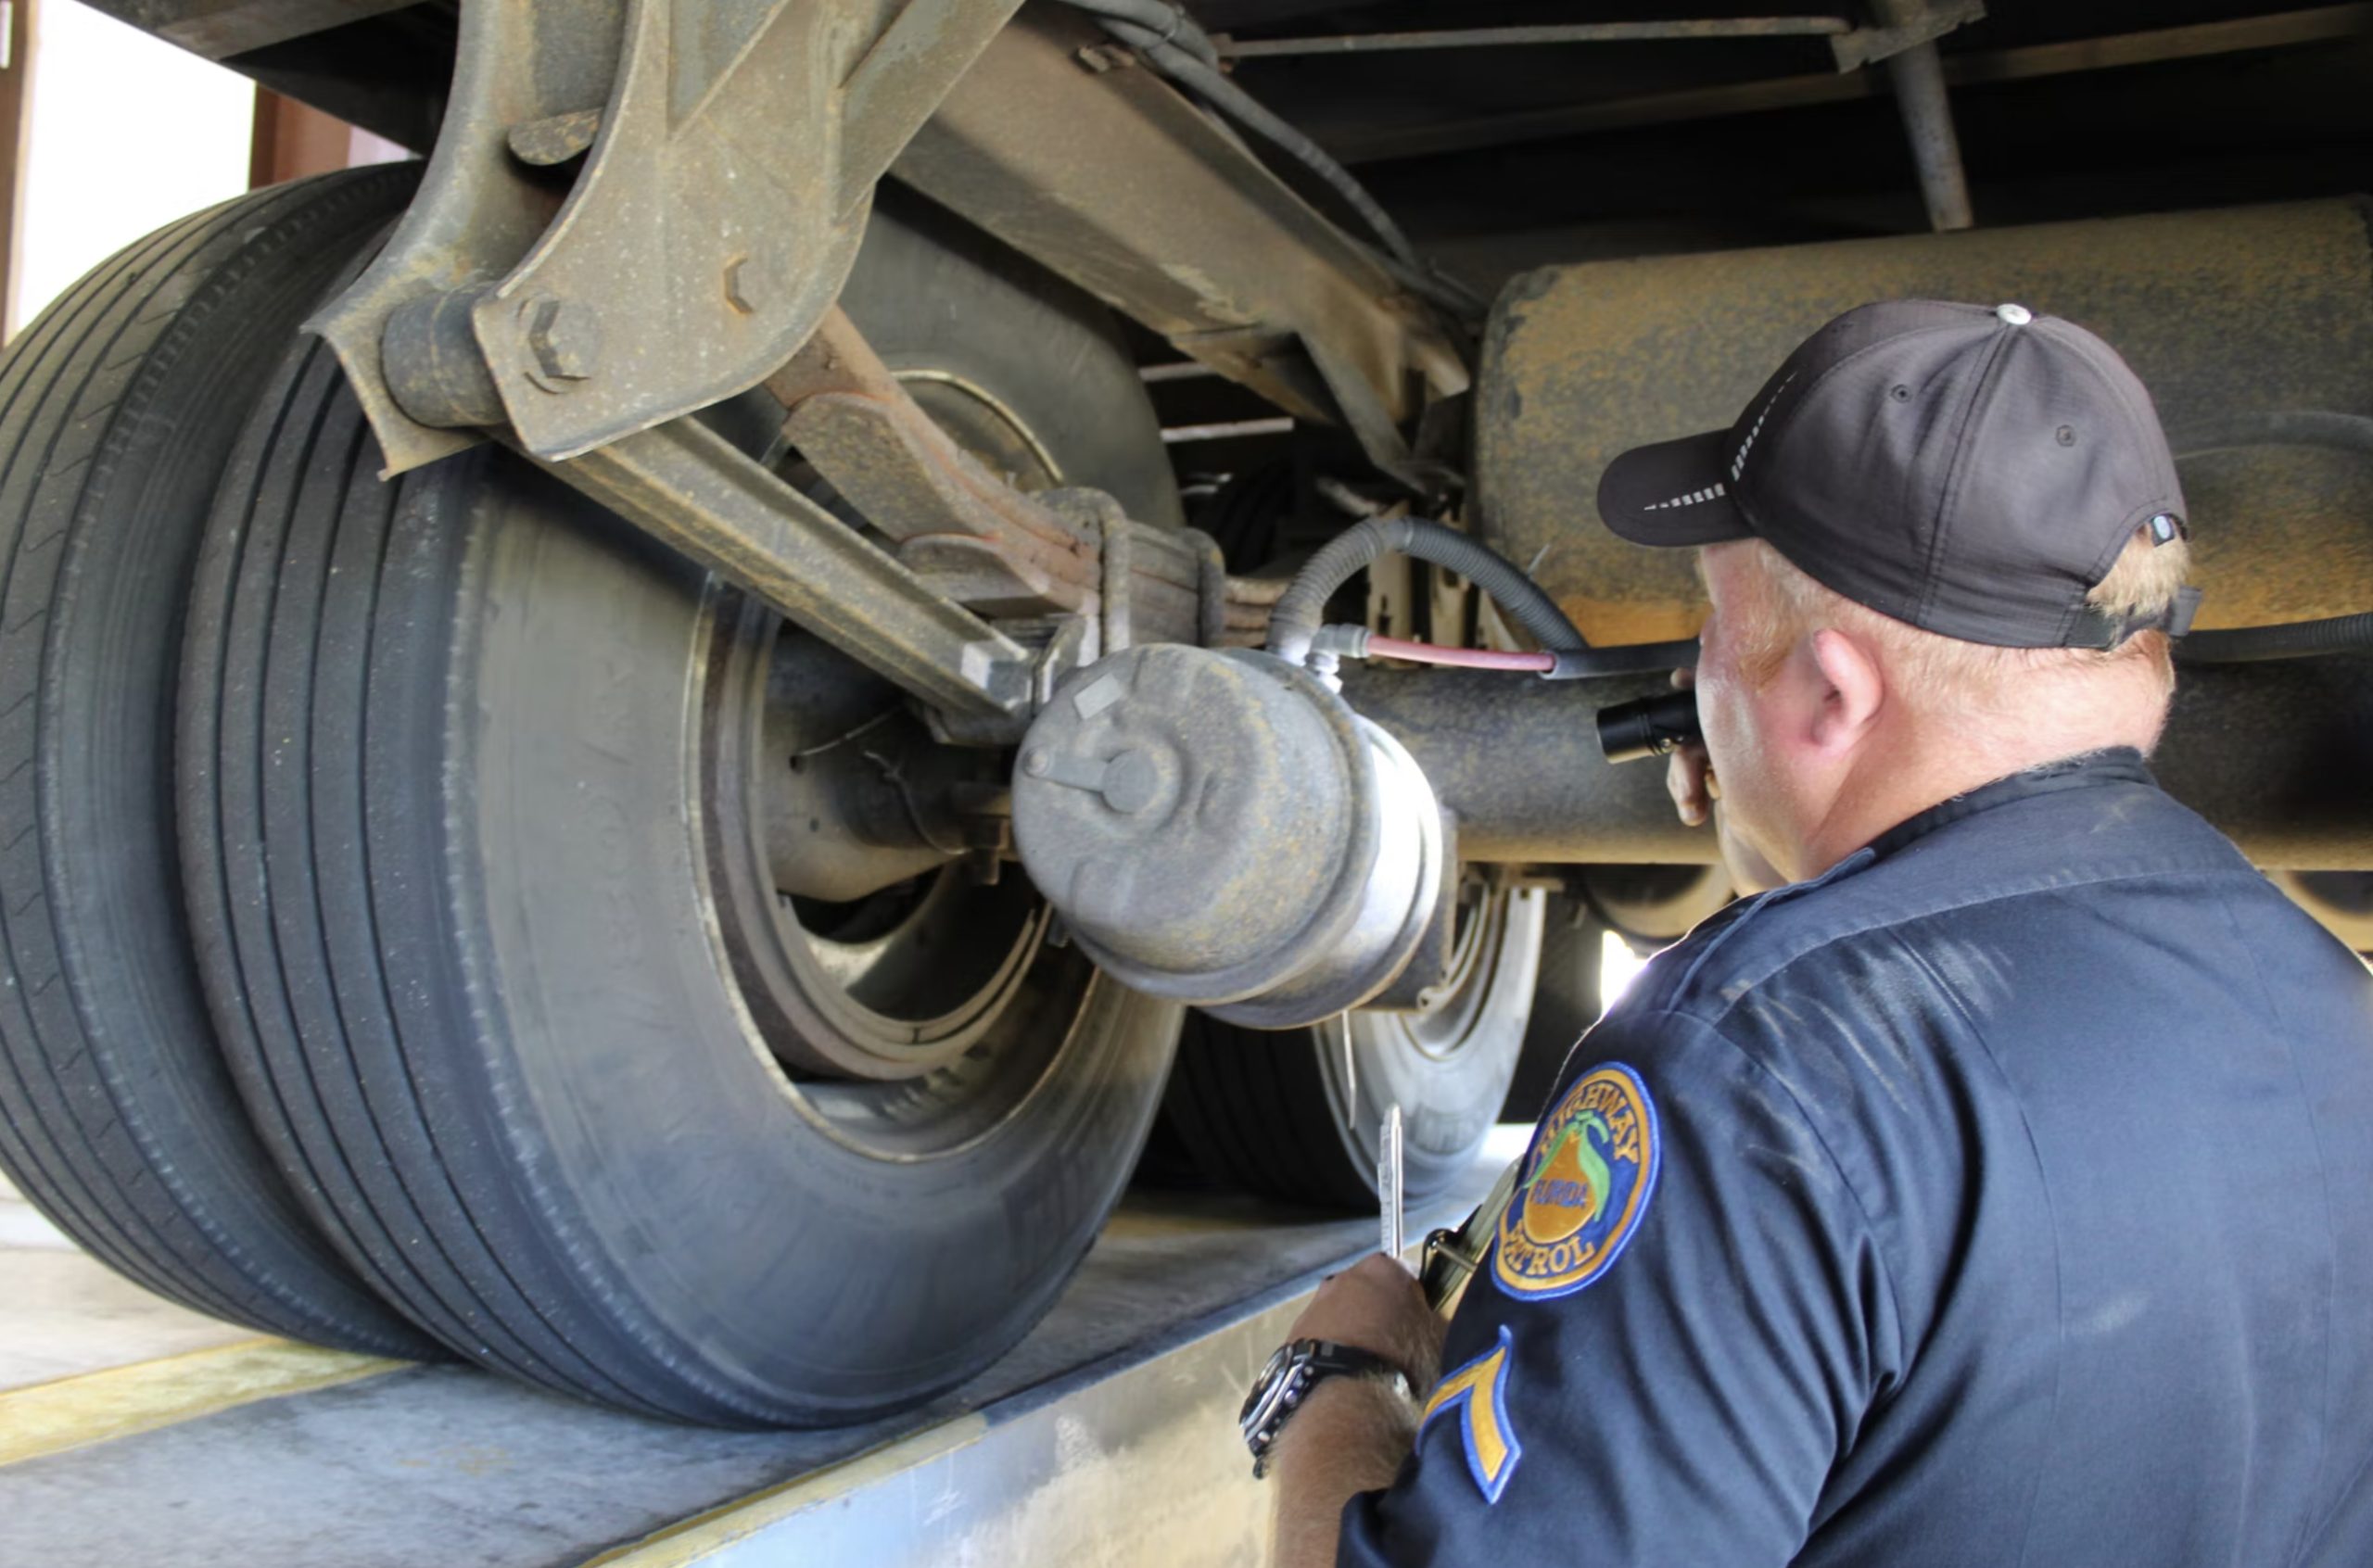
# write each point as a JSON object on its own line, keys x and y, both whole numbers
{"x": 1351, "y": 1434}
{"x": 1689, "y": 772}
{"x": 1376, "y": 1304}
{"x": 1696, "y": 794}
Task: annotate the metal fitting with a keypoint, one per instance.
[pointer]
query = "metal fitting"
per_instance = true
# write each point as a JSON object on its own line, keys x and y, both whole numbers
{"x": 563, "y": 341}
{"x": 429, "y": 356}
{"x": 746, "y": 284}
{"x": 1220, "y": 828}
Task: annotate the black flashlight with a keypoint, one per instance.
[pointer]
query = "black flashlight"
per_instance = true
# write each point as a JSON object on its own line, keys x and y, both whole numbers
{"x": 1649, "y": 726}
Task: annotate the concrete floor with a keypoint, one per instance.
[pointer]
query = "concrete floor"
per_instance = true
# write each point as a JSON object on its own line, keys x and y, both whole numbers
{"x": 133, "y": 1431}
{"x": 65, "y": 1315}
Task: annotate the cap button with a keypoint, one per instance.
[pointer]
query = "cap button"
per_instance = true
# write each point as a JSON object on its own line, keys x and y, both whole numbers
{"x": 2017, "y": 315}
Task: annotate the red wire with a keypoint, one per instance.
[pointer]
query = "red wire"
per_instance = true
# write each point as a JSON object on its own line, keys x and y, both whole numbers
{"x": 1466, "y": 658}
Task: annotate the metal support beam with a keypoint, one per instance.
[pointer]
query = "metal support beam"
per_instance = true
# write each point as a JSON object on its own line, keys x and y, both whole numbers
{"x": 1065, "y": 149}
{"x": 2283, "y": 29}
{"x": 685, "y": 484}
{"x": 1902, "y": 25}
{"x": 1917, "y": 77}
{"x": 479, "y": 210}
{"x": 1513, "y": 37}
{"x": 967, "y": 533}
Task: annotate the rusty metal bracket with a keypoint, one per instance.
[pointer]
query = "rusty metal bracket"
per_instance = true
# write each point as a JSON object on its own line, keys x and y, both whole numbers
{"x": 722, "y": 206}
{"x": 1903, "y": 25}
{"x": 973, "y": 536}
{"x": 729, "y": 153}
{"x": 734, "y": 145}
{"x": 479, "y": 208}
{"x": 965, "y": 532}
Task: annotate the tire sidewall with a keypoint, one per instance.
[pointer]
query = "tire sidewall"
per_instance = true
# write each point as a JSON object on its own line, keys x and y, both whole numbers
{"x": 644, "y": 1126}
{"x": 1450, "y": 1098}
{"x": 630, "y": 1084}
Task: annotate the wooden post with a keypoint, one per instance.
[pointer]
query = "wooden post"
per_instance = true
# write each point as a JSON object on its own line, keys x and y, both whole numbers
{"x": 293, "y": 140}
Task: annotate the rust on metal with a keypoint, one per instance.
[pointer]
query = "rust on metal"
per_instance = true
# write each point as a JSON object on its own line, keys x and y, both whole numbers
{"x": 2225, "y": 315}
{"x": 556, "y": 138}
{"x": 706, "y": 153}
{"x": 1249, "y": 600}
{"x": 723, "y": 203}
{"x": 479, "y": 208}
{"x": 850, "y": 416}
{"x": 703, "y": 228}
{"x": 964, "y": 531}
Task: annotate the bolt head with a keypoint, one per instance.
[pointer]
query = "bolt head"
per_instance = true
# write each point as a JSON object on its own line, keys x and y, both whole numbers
{"x": 1132, "y": 782}
{"x": 1038, "y": 763}
{"x": 747, "y": 285}
{"x": 566, "y": 338}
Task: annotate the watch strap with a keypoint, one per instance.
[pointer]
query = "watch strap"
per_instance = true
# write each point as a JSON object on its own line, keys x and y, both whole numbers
{"x": 1287, "y": 1380}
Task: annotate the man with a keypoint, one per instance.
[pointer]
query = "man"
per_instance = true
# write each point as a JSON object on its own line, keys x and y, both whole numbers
{"x": 1999, "y": 1189}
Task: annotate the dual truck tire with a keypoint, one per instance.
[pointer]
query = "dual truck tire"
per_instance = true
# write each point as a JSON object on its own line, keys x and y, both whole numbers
{"x": 366, "y": 843}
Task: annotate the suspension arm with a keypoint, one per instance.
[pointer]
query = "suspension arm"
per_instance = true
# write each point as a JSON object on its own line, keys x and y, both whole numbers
{"x": 685, "y": 484}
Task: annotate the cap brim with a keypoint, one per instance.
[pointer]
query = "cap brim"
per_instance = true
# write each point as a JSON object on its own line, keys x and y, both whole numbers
{"x": 1673, "y": 493}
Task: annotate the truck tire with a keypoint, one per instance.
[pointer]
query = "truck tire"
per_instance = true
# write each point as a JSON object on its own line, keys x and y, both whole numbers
{"x": 1567, "y": 1000}
{"x": 1283, "y": 1114}
{"x": 118, "y": 408}
{"x": 461, "y": 831}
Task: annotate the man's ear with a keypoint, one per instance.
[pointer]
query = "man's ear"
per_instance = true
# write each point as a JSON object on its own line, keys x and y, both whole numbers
{"x": 1854, "y": 688}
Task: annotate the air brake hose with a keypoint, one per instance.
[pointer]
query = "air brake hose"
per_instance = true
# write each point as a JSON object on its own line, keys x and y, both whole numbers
{"x": 2297, "y": 639}
{"x": 1295, "y": 620}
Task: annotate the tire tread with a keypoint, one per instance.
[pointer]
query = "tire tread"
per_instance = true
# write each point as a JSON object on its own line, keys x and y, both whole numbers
{"x": 90, "y": 1126}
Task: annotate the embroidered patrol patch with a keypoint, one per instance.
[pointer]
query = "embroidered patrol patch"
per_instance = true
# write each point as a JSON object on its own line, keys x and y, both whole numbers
{"x": 1588, "y": 1178}
{"x": 1479, "y": 1392}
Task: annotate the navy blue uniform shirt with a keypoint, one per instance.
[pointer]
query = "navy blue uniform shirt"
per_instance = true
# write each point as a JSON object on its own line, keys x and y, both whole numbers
{"x": 2004, "y": 1197}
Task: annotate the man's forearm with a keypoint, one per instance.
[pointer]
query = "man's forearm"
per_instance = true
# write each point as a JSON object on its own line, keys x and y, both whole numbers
{"x": 1350, "y": 1437}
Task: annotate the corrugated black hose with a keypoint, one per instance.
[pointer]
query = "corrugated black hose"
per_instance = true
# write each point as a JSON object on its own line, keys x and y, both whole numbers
{"x": 2297, "y": 639}
{"x": 1296, "y": 619}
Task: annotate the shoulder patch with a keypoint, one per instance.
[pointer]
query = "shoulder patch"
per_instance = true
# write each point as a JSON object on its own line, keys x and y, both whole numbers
{"x": 1587, "y": 1181}
{"x": 1479, "y": 1392}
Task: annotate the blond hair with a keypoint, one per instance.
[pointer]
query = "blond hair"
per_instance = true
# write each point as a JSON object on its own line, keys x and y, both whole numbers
{"x": 1981, "y": 684}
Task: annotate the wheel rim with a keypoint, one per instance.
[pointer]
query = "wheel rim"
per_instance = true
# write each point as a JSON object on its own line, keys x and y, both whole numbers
{"x": 912, "y": 1022}
{"x": 909, "y": 1024}
{"x": 1447, "y": 1028}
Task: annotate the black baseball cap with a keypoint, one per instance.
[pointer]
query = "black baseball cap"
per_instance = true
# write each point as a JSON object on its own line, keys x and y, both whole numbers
{"x": 1972, "y": 470}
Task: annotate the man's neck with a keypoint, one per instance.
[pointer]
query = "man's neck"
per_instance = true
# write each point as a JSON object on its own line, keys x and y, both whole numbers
{"x": 1895, "y": 783}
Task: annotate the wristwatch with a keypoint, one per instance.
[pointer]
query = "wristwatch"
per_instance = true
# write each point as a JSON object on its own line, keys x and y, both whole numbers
{"x": 1287, "y": 1381}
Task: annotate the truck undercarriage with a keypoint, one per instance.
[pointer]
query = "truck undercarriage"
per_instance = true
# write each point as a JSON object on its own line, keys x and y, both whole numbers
{"x": 595, "y": 721}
